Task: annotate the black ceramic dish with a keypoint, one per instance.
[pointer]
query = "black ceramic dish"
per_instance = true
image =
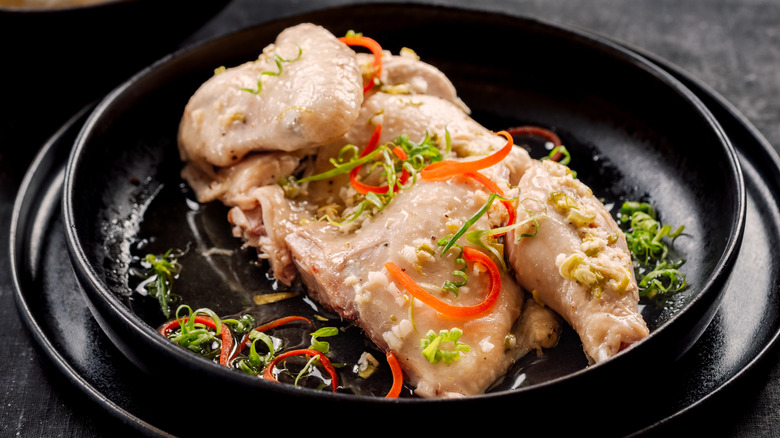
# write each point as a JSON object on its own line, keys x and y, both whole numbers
{"x": 718, "y": 364}
{"x": 601, "y": 99}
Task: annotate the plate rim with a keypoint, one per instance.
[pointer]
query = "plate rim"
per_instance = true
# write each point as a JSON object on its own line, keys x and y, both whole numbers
{"x": 774, "y": 158}
{"x": 36, "y": 171}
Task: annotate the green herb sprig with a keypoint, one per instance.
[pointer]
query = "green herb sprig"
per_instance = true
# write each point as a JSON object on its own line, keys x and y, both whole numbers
{"x": 254, "y": 362}
{"x": 433, "y": 349}
{"x": 197, "y": 337}
{"x": 451, "y": 239}
{"x": 648, "y": 241}
{"x": 278, "y": 60}
{"x": 460, "y": 271}
{"x": 319, "y": 345}
{"x": 161, "y": 271}
{"x": 381, "y": 159}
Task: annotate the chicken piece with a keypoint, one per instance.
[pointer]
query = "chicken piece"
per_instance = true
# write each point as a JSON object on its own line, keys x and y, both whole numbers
{"x": 345, "y": 272}
{"x": 264, "y": 222}
{"x": 416, "y": 116}
{"x": 303, "y": 91}
{"x": 419, "y": 114}
{"x": 406, "y": 74}
{"x": 231, "y": 184}
{"x": 343, "y": 269}
{"x": 578, "y": 262}
{"x": 537, "y": 329}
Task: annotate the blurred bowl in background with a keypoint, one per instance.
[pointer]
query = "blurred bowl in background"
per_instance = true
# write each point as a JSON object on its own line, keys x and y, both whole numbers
{"x": 47, "y": 4}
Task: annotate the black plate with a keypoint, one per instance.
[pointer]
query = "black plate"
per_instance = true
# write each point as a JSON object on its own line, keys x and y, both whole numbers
{"x": 627, "y": 149}
{"x": 743, "y": 331}
{"x": 60, "y": 321}
{"x": 122, "y": 181}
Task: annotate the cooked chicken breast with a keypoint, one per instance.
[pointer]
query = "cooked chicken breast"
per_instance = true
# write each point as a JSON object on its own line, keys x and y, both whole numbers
{"x": 343, "y": 267}
{"x": 577, "y": 263}
{"x": 415, "y": 116}
{"x": 346, "y": 273}
{"x": 300, "y": 105}
{"x": 303, "y": 91}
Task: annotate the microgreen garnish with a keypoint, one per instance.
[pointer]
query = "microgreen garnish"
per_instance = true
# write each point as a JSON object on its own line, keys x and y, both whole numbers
{"x": 196, "y": 336}
{"x": 278, "y": 60}
{"x": 307, "y": 370}
{"x": 559, "y": 154}
{"x": 645, "y": 238}
{"x": 254, "y": 362}
{"x": 341, "y": 165}
{"x": 322, "y": 346}
{"x": 451, "y": 239}
{"x": 433, "y": 349}
{"x": 242, "y": 325}
{"x": 488, "y": 240}
{"x": 397, "y": 164}
{"x": 161, "y": 271}
{"x": 454, "y": 286}
{"x": 204, "y": 333}
{"x": 665, "y": 278}
{"x": 646, "y": 241}
{"x": 315, "y": 357}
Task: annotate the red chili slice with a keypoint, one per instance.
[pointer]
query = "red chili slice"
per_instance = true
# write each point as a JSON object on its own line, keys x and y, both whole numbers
{"x": 446, "y": 309}
{"x": 227, "y": 337}
{"x": 268, "y": 326}
{"x": 268, "y": 374}
{"x": 398, "y": 376}
{"x": 375, "y": 49}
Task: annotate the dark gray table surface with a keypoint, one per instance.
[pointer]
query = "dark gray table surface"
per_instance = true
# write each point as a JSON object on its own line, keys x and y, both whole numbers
{"x": 731, "y": 45}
